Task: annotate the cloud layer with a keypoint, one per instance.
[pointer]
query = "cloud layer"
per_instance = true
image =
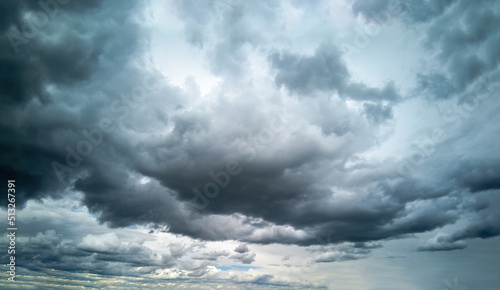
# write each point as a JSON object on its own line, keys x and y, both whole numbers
{"x": 285, "y": 143}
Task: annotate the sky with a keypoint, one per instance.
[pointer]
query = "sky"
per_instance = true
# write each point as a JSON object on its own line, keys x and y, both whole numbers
{"x": 231, "y": 144}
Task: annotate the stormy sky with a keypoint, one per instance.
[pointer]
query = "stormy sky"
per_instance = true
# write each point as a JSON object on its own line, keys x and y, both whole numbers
{"x": 341, "y": 144}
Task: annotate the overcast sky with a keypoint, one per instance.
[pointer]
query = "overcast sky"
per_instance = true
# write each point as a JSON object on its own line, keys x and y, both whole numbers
{"x": 340, "y": 144}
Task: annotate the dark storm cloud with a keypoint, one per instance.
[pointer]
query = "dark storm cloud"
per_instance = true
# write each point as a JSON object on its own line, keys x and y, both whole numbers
{"x": 362, "y": 225}
{"x": 483, "y": 225}
{"x": 29, "y": 62}
{"x": 291, "y": 190}
{"x": 478, "y": 175}
{"x": 285, "y": 198}
{"x": 461, "y": 32}
{"x": 157, "y": 204}
{"x": 324, "y": 71}
{"x": 290, "y": 196}
{"x": 12, "y": 11}
{"x": 66, "y": 51}
{"x": 464, "y": 186}
{"x": 372, "y": 220}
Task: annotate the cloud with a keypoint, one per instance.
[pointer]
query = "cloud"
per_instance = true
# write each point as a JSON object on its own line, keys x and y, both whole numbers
{"x": 112, "y": 169}
{"x": 243, "y": 254}
{"x": 478, "y": 175}
{"x": 414, "y": 11}
{"x": 294, "y": 172}
{"x": 33, "y": 54}
{"x": 377, "y": 113}
{"x": 285, "y": 147}
{"x": 324, "y": 71}
{"x": 103, "y": 254}
{"x": 342, "y": 252}
{"x": 465, "y": 48}
{"x": 441, "y": 242}
{"x": 243, "y": 248}
{"x": 211, "y": 256}
{"x": 106, "y": 243}
{"x": 59, "y": 56}
{"x": 437, "y": 85}
{"x": 483, "y": 224}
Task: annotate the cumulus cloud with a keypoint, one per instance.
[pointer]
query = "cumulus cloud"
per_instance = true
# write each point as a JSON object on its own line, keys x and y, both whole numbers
{"x": 243, "y": 254}
{"x": 282, "y": 144}
{"x": 324, "y": 71}
{"x": 343, "y": 252}
{"x": 211, "y": 256}
{"x": 465, "y": 52}
{"x": 441, "y": 242}
{"x": 106, "y": 243}
{"x": 291, "y": 160}
{"x": 103, "y": 254}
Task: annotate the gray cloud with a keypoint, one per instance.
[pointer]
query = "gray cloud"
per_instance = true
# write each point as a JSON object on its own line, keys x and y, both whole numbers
{"x": 243, "y": 254}
{"x": 459, "y": 31}
{"x": 57, "y": 58}
{"x": 414, "y": 11}
{"x": 103, "y": 254}
{"x": 343, "y": 252}
{"x": 441, "y": 242}
{"x": 211, "y": 256}
{"x": 377, "y": 113}
{"x": 248, "y": 161}
{"x": 324, "y": 71}
{"x": 478, "y": 175}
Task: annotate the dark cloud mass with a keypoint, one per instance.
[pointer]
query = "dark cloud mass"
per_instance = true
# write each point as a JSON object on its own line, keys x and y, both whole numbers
{"x": 287, "y": 147}
{"x": 324, "y": 71}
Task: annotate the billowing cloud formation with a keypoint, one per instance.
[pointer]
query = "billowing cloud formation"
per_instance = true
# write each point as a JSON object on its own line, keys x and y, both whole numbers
{"x": 243, "y": 254}
{"x": 45, "y": 65}
{"x": 441, "y": 242}
{"x": 284, "y": 146}
{"x": 103, "y": 254}
{"x": 459, "y": 31}
{"x": 344, "y": 252}
{"x": 324, "y": 71}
